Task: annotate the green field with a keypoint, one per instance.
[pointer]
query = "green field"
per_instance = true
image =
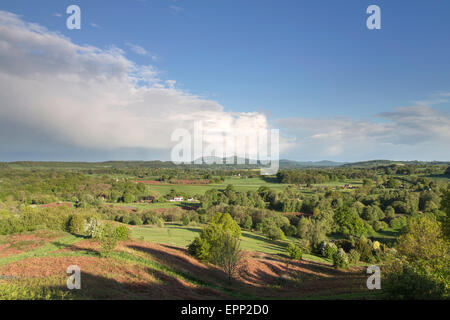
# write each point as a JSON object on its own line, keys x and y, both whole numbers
{"x": 240, "y": 184}
{"x": 182, "y": 236}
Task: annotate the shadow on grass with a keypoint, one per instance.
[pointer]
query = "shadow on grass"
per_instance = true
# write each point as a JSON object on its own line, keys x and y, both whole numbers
{"x": 97, "y": 287}
{"x": 263, "y": 278}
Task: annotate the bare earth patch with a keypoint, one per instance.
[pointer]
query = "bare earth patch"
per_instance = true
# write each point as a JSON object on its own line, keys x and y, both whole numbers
{"x": 20, "y": 243}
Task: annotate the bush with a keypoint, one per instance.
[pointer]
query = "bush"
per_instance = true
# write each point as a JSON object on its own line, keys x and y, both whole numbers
{"x": 200, "y": 248}
{"x": 364, "y": 247}
{"x": 135, "y": 221}
{"x": 304, "y": 245}
{"x": 271, "y": 227}
{"x": 353, "y": 256}
{"x": 340, "y": 259}
{"x": 11, "y": 225}
{"x": 408, "y": 284}
{"x": 248, "y": 222}
{"x": 108, "y": 239}
{"x": 399, "y": 223}
{"x": 380, "y": 226}
{"x": 76, "y": 224}
{"x": 185, "y": 220}
{"x": 93, "y": 227}
{"x": 294, "y": 252}
{"x": 274, "y": 233}
{"x": 122, "y": 233}
{"x": 328, "y": 249}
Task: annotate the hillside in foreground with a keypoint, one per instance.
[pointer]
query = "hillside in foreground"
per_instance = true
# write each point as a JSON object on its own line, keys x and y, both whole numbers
{"x": 33, "y": 265}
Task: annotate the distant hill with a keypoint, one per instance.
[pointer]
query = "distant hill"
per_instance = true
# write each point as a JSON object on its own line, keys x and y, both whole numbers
{"x": 220, "y": 163}
{"x": 379, "y": 163}
{"x": 309, "y": 164}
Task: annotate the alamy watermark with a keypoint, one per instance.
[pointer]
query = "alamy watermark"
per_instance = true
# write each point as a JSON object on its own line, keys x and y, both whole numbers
{"x": 374, "y": 281}
{"x": 74, "y": 281}
{"x": 256, "y": 147}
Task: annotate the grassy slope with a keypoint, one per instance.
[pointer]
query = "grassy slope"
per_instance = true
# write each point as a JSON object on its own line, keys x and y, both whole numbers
{"x": 166, "y": 273}
{"x": 181, "y": 236}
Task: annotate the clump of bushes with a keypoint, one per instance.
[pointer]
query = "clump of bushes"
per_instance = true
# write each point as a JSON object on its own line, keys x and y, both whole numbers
{"x": 340, "y": 259}
{"x": 409, "y": 284}
{"x": 353, "y": 256}
{"x": 327, "y": 249}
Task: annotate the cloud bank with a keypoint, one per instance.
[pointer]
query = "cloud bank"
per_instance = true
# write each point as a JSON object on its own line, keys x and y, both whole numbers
{"x": 407, "y": 133}
{"x": 63, "y": 101}
{"x": 57, "y": 94}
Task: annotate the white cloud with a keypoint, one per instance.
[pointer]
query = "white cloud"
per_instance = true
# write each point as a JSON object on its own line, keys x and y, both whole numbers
{"x": 58, "y": 96}
{"x": 141, "y": 51}
{"x": 57, "y": 93}
{"x": 417, "y": 132}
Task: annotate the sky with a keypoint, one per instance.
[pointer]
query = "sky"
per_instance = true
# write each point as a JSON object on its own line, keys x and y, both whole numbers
{"x": 138, "y": 70}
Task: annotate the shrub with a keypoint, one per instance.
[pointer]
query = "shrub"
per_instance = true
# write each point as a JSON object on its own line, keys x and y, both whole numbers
{"x": 93, "y": 227}
{"x": 408, "y": 284}
{"x": 185, "y": 220}
{"x": 353, "y": 256}
{"x": 248, "y": 222}
{"x": 304, "y": 245}
{"x": 274, "y": 233}
{"x": 340, "y": 259}
{"x": 364, "y": 247}
{"x": 108, "y": 239}
{"x": 200, "y": 248}
{"x": 271, "y": 228}
{"x": 380, "y": 226}
{"x": 122, "y": 233}
{"x": 328, "y": 249}
{"x": 294, "y": 252}
{"x": 135, "y": 221}
{"x": 76, "y": 224}
{"x": 399, "y": 223}
{"x": 11, "y": 225}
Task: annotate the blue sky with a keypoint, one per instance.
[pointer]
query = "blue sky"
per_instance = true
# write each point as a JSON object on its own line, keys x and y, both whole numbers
{"x": 286, "y": 59}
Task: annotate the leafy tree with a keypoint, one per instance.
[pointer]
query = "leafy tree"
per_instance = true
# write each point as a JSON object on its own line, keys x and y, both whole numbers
{"x": 424, "y": 256}
{"x": 393, "y": 183}
{"x": 226, "y": 253}
{"x": 203, "y": 245}
{"x": 446, "y": 207}
{"x": 348, "y": 222}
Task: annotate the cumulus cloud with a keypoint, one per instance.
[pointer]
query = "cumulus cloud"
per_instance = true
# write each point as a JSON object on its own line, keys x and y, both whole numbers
{"x": 416, "y": 132}
{"x": 57, "y": 94}
{"x": 61, "y": 100}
